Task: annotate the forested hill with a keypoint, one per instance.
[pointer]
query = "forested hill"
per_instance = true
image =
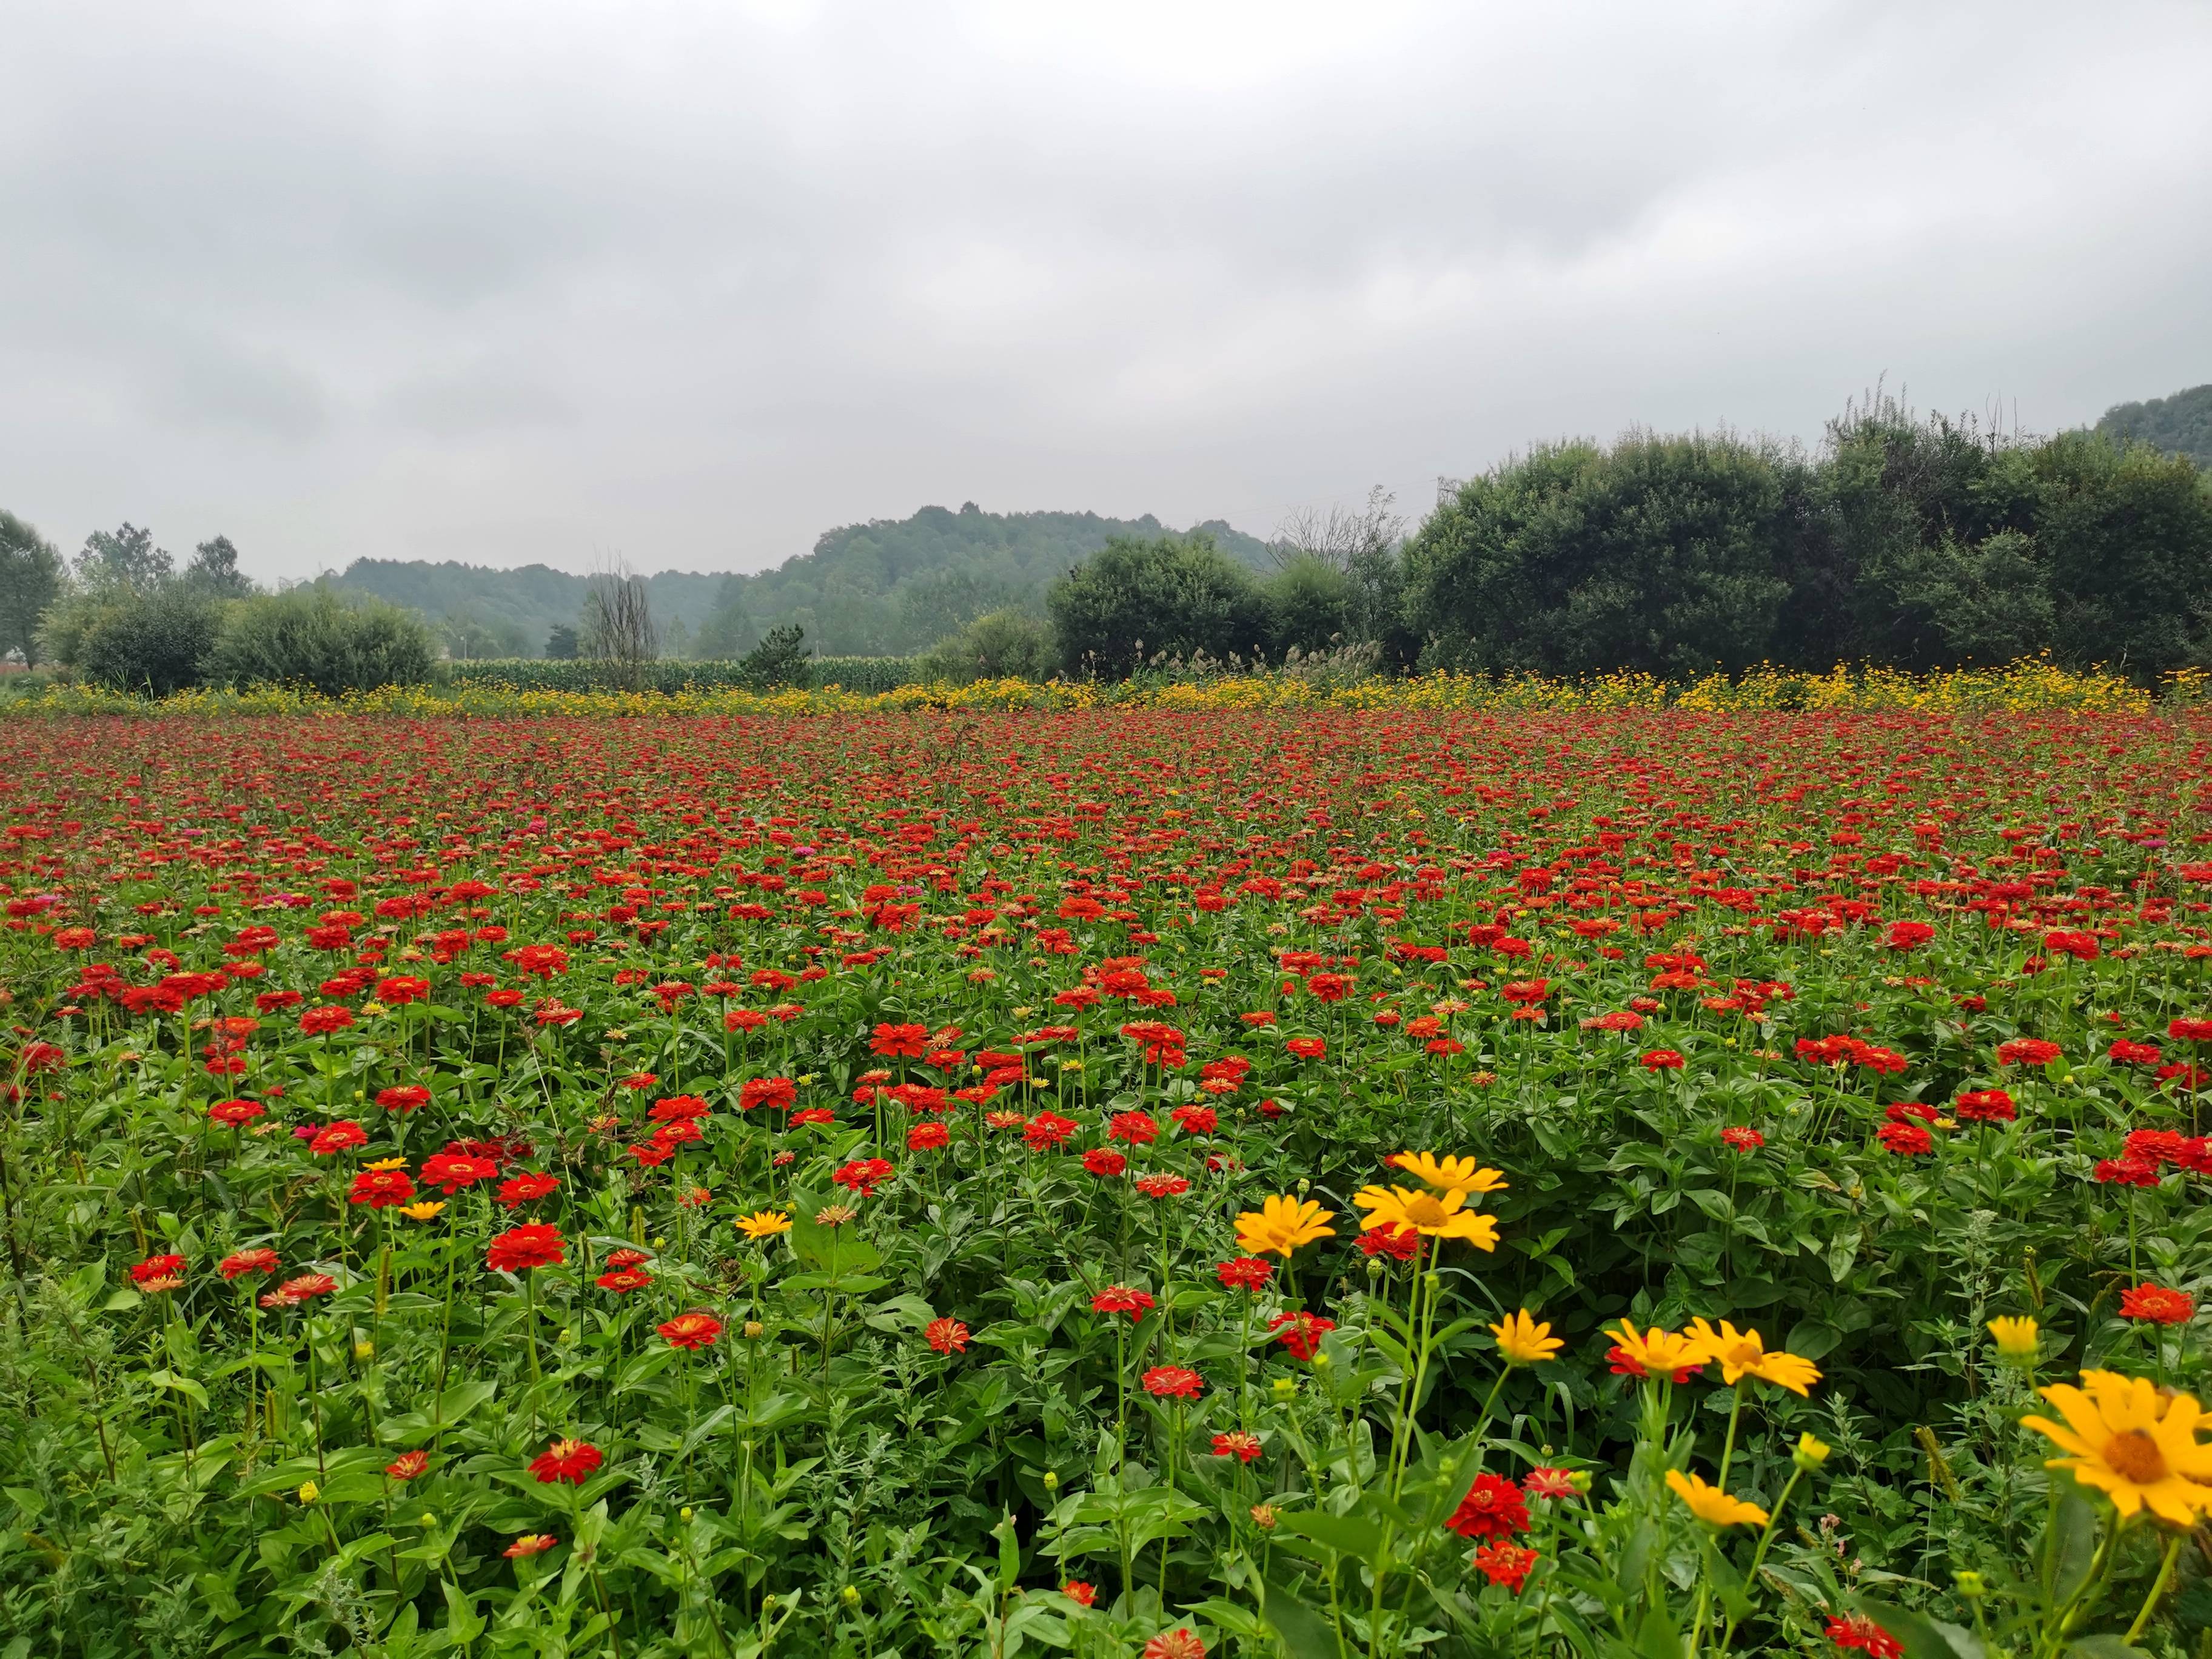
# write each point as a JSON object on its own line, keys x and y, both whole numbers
{"x": 881, "y": 588}
{"x": 2180, "y": 425}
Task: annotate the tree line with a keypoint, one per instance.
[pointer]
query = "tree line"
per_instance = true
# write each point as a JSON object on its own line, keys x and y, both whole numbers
{"x": 1914, "y": 542}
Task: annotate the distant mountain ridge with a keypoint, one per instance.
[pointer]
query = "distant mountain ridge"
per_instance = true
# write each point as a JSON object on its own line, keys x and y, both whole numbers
{"x": 2179, "y": 425}
{"x": 883, "y": 588}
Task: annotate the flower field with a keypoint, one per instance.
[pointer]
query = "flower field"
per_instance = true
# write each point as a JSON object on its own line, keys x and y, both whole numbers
{"x": 1313, "y": 1180}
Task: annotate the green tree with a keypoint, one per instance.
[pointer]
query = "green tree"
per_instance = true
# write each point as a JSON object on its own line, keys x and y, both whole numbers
{"x": 31, "y": 575}
{"x": 2128, "y": 536}
{"x": 1170, "y": 596}
{"x": 124, "y": 558}
{"x": 213, "y": 570}
{"x": 779, "y": 659}
{"x": 1662, "y": 554}
{"x": 562, "y": 644}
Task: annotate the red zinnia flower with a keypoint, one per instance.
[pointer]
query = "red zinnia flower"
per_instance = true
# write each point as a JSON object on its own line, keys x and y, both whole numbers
{"x": 339, "y": 1137}
{"x": 159, "y": 1273}
{"x": 1173, "y": 1382}
{"x": 1102, "y": 1161}
{"x": 1307, "y": 1048}
{"x": 928, "y": 1138}
{"x": 2027, "y": 1051}
{"x": 232, "y": 1114}
{"x": 530, "y": 1543}
{"x": 1743, "y": 1140}
{"x": 518, "y": 1190}
{"x": 1400, "y": 1243}
{"x": 1122, "y": 1299}
{"x": 1301, "y": 1333}
{"x": 1985, "y": 1106}
{"x": 1493, "y": 1508}
{"x": 622, "y": 1280}
{"x": 692, "y": 1330}
{"x": 1858, "y": 1631}
{"x": 1906, "y": 1139}
{"x": 247, "y": 1261}
{"x": 381, "y": 1189}
{"x": 404, "y": 1097}
{"x": 1245, "y": 1273}
{"x": 1138, "y": 1129}
{"x": 945, "y": 1335}
{"x": 1505, "y": 1564}
{"x": 2158, "y": 1305}
{"x": 571, "y": 1461}
{"x": 520, "y": 1248}
{"x": 1240, "y": 1446}
{"x": 863, "y": 1175}
{"x": 408, "y": 1465}
{"x": 1662, "y": 1060}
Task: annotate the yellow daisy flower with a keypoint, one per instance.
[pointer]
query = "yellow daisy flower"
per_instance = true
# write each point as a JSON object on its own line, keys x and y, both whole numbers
{"x": 383, "y": 1164}
{"x": 424, "y": 1209}
{"x": 1435, "y": 1215}
{"x": 1711, "y": 1505}
{"x": 2134, "y": 1444}
{"x": 764, "y": 1223}
{"x": 1450, "y": 1175}
{"x": 1665, "y": 1355}
{"x": 1281, "y": 1224}
{"x": 1742, "y": 1353}
{"x": 1523, "y": 1341}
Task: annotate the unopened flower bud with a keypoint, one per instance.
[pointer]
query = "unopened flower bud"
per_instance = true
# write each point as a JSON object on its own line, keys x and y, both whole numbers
{"x": 309, "y": 1492}
{"x": 851, "y": 1596}
{"x": 1285, "y": 1387}
{"x": 1051, "y": 1480}
{"x": 684, "y": 1514}
{"x": 1263, "y": 1516}
{"x": 1810, "y": 1453}
{"x": 364, "y": 1349}
{"x": 1970, "y": 1584}
{"x": 755, "y": 1330}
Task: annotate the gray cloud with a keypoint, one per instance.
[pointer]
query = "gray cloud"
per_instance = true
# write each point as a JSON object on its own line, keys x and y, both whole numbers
{"x": 500, "y": 282}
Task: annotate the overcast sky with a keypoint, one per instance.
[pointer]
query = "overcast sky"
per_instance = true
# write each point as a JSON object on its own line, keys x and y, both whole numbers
{"x": 698, "y": 281}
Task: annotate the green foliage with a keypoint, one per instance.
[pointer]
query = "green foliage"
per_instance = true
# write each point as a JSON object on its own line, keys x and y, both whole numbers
{"x": 1310, "y": 606}
{"x": 152, "y": 644}
{"x": 1001, "y": 646}
{"x": 1909, "y": 542}
{"x": 1663, "y": 555}
{"x": 779, "y": 659}
{"x": 311, "y": 637}
{"x": 213, "y": 570}
{"x": 124, "y": 558}
{"x": 1167, "y": 597}
{"x": 30, "y": 581}
{"x": 562, "y": 644}
{"x": 862, "y": 674}
{"x": 2178, "y": 425}
{"x": 885, "y": 587}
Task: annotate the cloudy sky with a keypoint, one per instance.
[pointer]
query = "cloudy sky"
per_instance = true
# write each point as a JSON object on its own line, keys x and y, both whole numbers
{"x": 695, "y": 280}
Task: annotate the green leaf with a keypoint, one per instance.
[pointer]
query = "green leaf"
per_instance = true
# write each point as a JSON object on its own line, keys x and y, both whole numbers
{"x": 1305, "y": 1634}
{"x": 183, "y": 1385}
{"x": 1347, "y": 1534}
{"x": 1924, "y": 1637}
{"x": 1656, "y": 1637}
{"x": 2069, "y": 1547}
{"x": 2103, "y": 1647}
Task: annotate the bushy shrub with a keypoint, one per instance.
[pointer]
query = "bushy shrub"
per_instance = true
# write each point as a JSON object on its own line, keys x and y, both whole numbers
{"x": 310, "y": 638}
{"x": 1173, "y": 596}
{"x": 1006, "y": 645}
{"x": 154, "y": 643}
